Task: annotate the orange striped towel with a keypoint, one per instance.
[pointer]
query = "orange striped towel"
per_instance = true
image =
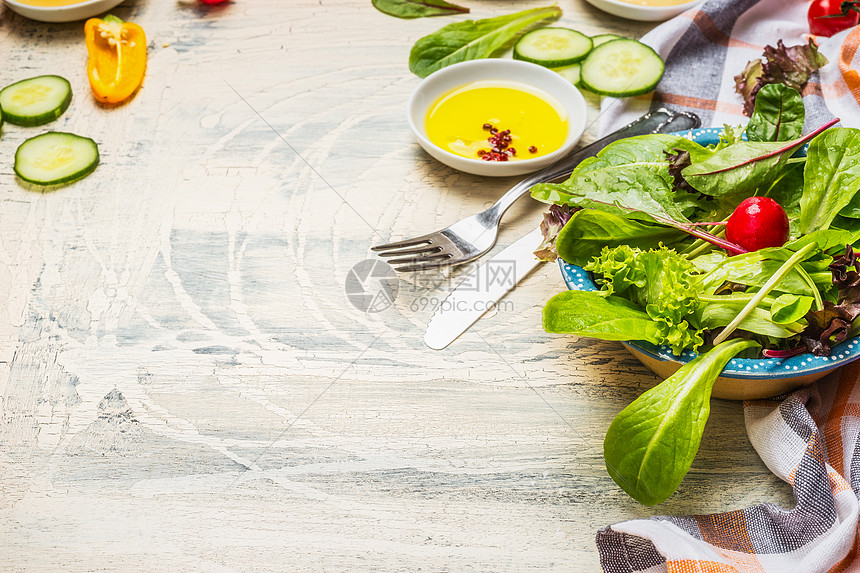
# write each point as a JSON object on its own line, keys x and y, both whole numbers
{"x": 706, "y": 47}
{"x": 810, "y": 439}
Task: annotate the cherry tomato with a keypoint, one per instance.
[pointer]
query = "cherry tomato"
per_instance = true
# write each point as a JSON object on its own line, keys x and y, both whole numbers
{"x": 756, "y": 223}
{"x": 828, "y": 26}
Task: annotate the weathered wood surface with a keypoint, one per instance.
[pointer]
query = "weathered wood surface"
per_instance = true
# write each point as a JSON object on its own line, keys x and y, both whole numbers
{"x": 183, "y": 383}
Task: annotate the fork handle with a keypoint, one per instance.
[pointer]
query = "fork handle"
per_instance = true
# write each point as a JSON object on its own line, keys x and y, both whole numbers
{"x": 658, "y": 121}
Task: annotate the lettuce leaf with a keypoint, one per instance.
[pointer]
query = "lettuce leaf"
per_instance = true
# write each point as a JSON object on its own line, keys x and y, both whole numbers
{"x": 659, "y": 281}
{"x": 553, "y": 222}
{"x": 831, "y": 325}
{"x": 791, "y": 66}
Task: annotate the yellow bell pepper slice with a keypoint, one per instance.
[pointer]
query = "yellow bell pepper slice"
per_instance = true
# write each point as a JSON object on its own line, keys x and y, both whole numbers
{"x": 117, "y": 58}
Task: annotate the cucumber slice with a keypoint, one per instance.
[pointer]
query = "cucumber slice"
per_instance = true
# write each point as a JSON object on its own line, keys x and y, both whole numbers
{"x": 603, "y": 38}
{"x": 553, "y": 47}
{"x": 622, "y": 68}
{"x": 570, "y": 73}
{"x": 35, "y": 101}
{"x": 56, "y": 157}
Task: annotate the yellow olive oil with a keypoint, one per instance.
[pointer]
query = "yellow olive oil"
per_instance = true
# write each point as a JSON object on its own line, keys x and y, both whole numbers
{"x": 463, "y": 120}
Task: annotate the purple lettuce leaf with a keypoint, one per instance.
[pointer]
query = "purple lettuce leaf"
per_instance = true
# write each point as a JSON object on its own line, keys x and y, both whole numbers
{"x": 831, "y": 325}
{"x": 791, "y": 66}
{"x": 553, "y": 221}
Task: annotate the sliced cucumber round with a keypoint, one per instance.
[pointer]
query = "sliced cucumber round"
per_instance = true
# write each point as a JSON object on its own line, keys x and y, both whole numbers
{"x": 35, "y": 101}
{"x": 622, "y": 68}
{"x": 552, "y": 47}
{"x": 570, "y": 73}
{"x": 603, "y": 38}
{"x": 56, "y": 157}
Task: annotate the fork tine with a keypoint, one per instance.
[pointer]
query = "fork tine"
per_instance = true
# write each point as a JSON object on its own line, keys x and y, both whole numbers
{"x": 418, "y": 268}
{"x": 428, "y": 249}
{"x": 428, "y": 239}
{"x": 430, "y": 259}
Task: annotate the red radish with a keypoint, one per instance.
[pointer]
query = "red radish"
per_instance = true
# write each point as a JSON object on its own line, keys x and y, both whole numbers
{"x": 756, "y": 223}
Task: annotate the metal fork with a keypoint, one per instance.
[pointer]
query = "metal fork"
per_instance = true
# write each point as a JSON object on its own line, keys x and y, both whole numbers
{"x": 469, "y": 238}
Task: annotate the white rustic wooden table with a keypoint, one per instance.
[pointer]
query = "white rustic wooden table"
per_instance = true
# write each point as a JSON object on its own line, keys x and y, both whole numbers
{"x": 184, "y": 385}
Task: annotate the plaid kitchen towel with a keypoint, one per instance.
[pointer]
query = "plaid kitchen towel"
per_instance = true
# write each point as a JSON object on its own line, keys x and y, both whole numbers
{"x": 811, "y": 439}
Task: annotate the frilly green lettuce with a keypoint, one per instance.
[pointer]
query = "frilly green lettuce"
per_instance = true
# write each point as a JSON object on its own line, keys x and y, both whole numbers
{"x": 658, "y": 280}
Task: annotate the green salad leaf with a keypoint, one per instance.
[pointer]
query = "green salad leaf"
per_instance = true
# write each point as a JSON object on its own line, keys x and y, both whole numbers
{"x": 659, "y": 281}
{"x": 789, "y": 308}
{"x": 590, "y": 230}
{"x": 592, "y": 314}
{"x": 629, "y": 175}
{"x": 755, "y": 269}
{"x": 472, "y": 39}
{"x": 759, "y": 320}
{"x": 778, "y": 115}
{"x": 418, "y": 8}
{"x": 744, "y": 168}
{"x": 831, "y": 178}
{"x": 651, "y": 444}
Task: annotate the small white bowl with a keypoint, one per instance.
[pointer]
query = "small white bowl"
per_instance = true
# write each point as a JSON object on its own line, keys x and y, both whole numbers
{"x": 70, "y": 13}
{"x": 642, "y": 13}
{"x": 537, "y": 77}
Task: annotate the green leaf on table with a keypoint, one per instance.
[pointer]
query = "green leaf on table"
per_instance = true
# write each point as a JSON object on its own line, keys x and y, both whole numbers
{"x": 651, "y": 444}
{"x": 744, "y": 168}
{"x": 597, "y": 316}
{"x": 778, "y": 115}
{"x": 831, "y": 178}
{"x": 472, "y": 39}
{"x": 590, "y": 230}
{"x": 418, "y": 8}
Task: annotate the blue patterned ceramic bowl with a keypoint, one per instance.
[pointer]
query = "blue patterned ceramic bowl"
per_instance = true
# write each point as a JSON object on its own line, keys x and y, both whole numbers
{"x": 743, "y": 378}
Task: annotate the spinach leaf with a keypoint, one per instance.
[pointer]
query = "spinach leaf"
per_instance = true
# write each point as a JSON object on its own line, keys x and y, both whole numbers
{"x": 472, "y": 39}
{"x": 831, "y": 177}
{"x": 778, "y": 115}
{"x": 745, "y": 167}
{"x": 631, "y": 174}
{"x": 598, "y": 316}
{"x": 418, "y": 8}
{"x": 790, "y": 308}
{"x": 759, "y": 320}
{"x": 787, "y": 188}
{"x": 754, "y": 269}
{"x": 589, "y": 230}
{"x": 651, "y": 444}
{"x": 831, "y": 240}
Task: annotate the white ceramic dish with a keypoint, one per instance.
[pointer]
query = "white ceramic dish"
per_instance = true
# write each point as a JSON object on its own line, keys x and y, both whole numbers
{"x": 443, "y": 81}
{"x": 643, "y": 13}
{"x": 79, "y": 11}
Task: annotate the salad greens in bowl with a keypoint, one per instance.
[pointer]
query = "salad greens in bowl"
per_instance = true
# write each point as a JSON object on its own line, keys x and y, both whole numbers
{"x": 719, "y": 254}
